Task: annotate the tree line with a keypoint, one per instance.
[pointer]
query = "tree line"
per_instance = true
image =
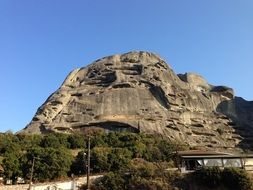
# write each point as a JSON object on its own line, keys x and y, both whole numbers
{"x": 127, "y": 160}
{"x": 54, "y": 157}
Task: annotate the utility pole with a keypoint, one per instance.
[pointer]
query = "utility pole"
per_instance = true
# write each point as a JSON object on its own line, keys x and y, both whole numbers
{"x": 31, "y": 176}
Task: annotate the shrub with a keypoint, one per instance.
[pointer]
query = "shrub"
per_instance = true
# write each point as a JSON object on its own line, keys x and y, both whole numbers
{"x": 232, "y": 178}
{"x": 210, "y": 177}
{"x": 145, "y": 184}
{"x": 78, "y": 166}
{"x": 99, "y": 159}
{"x": 140, "y": 174}
{"x": 109, "y": 152}
{"x": 142, "y": 168}
{"x": 76, "y": 141}
{"x": 9, "y": 143}
{"x": 55, "y": 140}
{"x": 119, "y": 158}
{"x": 238, "y": 179}
{"x": 111, "y": 181}
{"x": 29, "y": 141}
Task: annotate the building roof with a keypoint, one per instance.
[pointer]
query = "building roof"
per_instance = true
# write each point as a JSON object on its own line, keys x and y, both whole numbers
{"x": 210, "y": 154}
{"x": 200, "y": 153}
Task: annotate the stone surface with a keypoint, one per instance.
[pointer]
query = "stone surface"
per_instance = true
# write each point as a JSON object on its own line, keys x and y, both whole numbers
{"x": 139, "y": 92}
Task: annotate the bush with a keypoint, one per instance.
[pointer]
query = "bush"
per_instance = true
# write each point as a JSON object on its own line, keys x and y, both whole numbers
{"x": 99, "y": 159}
{"x": 145, "y": 184}
{"x": 76, "y": 141}
{"x": 119, "y": 158}
{"x": 55, "y": 140}
{"x": 210, "y": 176}
{"x": 109, "y": 152}
{"x": 78, "y": 166}
{"x": 9, "y": 143}
{"x": 142, "y": 168}
{"x": 29, "y": 141}
{"x": 111, "y": 181}
{"x": 238, "y": 179}
{"x": 232, "y": 178}
{"x": 140, "y": 174}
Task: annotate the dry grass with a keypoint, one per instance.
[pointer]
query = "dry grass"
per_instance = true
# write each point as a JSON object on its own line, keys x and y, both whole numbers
{"x": 74, "y": 152}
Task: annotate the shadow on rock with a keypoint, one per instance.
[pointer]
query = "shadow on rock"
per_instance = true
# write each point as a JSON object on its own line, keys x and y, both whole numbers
{"x": 240, "y": 112}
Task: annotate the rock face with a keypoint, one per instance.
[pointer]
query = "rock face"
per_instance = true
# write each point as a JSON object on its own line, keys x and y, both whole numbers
{"x": 139, "y": 92}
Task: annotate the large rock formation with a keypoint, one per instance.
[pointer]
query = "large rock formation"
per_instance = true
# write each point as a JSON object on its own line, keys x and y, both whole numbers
{"x": 138, "y": 91}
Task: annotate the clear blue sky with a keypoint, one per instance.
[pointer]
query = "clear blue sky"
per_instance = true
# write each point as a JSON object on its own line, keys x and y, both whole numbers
{"x": 41, "y": 41}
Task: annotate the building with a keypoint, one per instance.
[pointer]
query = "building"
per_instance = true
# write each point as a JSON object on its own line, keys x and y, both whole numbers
{"x": 194, "y": 159}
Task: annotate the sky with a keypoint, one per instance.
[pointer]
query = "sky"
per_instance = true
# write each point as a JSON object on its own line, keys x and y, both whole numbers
{"x": 42, "y": 41}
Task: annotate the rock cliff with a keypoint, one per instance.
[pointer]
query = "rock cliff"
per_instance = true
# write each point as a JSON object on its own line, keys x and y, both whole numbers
{"x": 139, "y": 92}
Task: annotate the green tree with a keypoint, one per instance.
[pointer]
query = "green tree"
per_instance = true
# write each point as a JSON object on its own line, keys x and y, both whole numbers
{"x": 119, "y": 158}
{"x": 98, "y": 140}
{"x": 9, "y": 142}
{"x": 99, "y": 159}
{"x": 111, "y": 181}
{"x": 139, "y": 174}
{"x": 167, "y": 149}
{"x": 29, "y": 141}
{"x": 50, "y": 140}
{"x": 138, "y": 149}
{"x": 111, "y": 139}
{"x": 76, "y": 141}
{"x": 55, "y": 140}
{"x": 50, "y": 163}
{"x": 78, "y": 165}
{"x": 11, "y": 165}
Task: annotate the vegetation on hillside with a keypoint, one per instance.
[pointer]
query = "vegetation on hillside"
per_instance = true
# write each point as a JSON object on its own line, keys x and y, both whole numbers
{"x": 127, "y": 160}
{"x": 139, "y": 174}
{"x": 53, "y": 159}
{"x": 230, "y": 178}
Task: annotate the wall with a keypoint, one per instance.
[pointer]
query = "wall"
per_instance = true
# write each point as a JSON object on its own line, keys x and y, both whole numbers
{"x": 58, "y": 185}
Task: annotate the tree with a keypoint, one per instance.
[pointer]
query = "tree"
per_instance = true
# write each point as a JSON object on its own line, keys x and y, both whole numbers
{"x": 9, "y": 143}
{"x": 111, "y": 181}
{"x": 50, "y": 163}
{"x": 119, "y": 158}
{"x": 55, "y": 140}
{"x": 29, "y": 141}
{"x": 76, "y": 141}
{"x": 78, "y": 166}
{"x": 11, "y": 165}
{"x": 139, "y": 174}
{"x": 99, "y": 159}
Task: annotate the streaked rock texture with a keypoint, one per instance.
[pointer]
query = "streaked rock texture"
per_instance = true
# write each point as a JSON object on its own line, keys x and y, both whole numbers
{"x": 138, "y": 91}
